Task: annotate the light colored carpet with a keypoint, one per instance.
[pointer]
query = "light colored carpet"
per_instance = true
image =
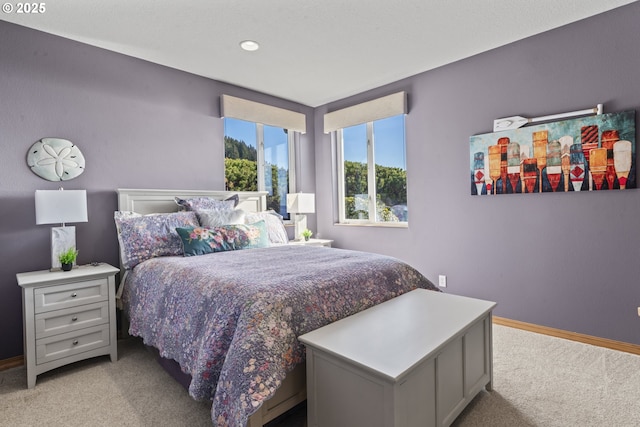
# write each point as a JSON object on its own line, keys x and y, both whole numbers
{"x": 134, "y": 391}
{"x": 546, "y": 381}
{"x": 538, "y": 381}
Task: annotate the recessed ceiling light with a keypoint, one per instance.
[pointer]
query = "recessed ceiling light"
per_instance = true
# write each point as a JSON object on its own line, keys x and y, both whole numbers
{"x": 249, "y": 45}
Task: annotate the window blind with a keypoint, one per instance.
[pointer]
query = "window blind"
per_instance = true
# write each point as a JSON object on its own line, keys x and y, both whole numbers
{"x": 381, "y": 108}
{"x": 252, "y": 111}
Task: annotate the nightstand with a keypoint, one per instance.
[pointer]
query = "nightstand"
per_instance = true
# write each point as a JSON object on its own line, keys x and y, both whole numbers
{"x": 312, "y": 242}
{"x": 67, "y": 316}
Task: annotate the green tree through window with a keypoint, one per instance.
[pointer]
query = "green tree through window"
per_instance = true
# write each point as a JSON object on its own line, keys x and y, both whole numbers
{"x": 257, "y": 158}
{"x": 372, "y": 172}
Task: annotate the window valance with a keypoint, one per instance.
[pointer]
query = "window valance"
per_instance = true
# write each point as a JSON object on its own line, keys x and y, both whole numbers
{"x": 381, "y": 108}
{"x": 252, "y": 111}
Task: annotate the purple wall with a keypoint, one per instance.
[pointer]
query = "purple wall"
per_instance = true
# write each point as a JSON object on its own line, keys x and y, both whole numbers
{"x": 139, "y": 125}
{"x": 562, "y": 260}
{"x": 567, "y": 261}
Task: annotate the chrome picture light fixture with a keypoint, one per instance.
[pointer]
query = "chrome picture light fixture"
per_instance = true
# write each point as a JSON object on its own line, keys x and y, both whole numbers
{"x": 515, "y": 122}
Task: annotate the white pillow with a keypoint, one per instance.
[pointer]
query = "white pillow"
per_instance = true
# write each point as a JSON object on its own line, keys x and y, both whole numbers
{"x": 215, "y": 218}
{"x": 275, "y": 226}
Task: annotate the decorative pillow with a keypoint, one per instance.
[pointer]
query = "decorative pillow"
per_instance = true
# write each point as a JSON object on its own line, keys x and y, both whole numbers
{"x": 215, "y": 218}
{"x": 198, "y": 203}
{"x": 275, "y": 226}
{"x": 143, "y": 237}
{"x": 235, "y": 198}
{"x": 202, "y": 240}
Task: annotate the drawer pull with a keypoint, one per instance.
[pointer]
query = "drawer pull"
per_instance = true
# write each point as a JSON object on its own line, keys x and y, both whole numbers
{"x": 73, "y": 295}
{"x": 75, "y": 342}
{"x": 74, "y": 318}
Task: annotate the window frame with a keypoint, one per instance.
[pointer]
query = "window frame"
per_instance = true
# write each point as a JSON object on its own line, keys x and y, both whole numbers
{"x": 337, "y": 137}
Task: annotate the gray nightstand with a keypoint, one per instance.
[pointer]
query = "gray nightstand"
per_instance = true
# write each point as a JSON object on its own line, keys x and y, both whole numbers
{"x": 67, "y": 316}
{"x": 312, "y": 242}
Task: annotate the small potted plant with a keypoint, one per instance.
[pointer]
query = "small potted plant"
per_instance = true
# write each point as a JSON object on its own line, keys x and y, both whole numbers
{"x": 306, "y": 233}
{"x": 67, "y": 258}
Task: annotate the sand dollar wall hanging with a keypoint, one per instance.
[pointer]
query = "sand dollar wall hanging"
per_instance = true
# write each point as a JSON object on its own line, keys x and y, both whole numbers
{"x": 55, "y": 159}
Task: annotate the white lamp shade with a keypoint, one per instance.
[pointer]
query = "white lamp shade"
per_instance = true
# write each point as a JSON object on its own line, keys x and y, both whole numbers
{"x": 301, "y": 203}
{"x": 61, "y": 206}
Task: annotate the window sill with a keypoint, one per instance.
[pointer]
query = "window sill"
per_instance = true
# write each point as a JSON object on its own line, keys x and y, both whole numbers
{"x": 373, "y": 224}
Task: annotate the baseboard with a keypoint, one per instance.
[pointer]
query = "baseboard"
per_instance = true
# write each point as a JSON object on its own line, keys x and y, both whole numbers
{"x": 12, "y": 362}
{"x": 573, "y": 336}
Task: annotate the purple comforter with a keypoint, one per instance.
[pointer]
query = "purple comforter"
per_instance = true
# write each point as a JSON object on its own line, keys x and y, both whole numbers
{"x": 231, "y": 319}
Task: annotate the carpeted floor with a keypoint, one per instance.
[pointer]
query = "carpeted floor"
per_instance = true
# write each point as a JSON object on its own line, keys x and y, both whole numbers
{"x": 546, "y": 381}
{"x": 538, "y": 381}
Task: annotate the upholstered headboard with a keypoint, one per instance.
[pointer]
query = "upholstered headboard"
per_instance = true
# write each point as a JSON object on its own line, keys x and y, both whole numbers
{"x": 145, "y": 201}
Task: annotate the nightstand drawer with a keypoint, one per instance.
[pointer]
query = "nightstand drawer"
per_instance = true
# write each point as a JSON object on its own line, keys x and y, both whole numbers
{"x": 64, "y": 296}
{"x": 71, "y": 319}
{"x": 59, "y": 346}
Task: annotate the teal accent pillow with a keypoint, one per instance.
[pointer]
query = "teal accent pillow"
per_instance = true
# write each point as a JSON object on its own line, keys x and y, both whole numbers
{"x": 202, "y": 240}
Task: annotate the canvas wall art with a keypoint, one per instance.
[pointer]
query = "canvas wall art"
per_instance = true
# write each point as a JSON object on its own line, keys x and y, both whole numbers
{"x": 592, "y": 153}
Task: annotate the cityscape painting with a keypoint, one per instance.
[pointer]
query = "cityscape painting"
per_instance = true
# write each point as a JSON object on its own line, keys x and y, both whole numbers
{"x": 592, "y": 153}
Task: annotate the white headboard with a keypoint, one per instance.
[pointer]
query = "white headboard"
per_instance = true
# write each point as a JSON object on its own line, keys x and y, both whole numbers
{"x": 145, "y": 201}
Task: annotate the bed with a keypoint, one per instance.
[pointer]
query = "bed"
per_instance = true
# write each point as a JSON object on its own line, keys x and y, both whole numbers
{"x": 231, "y": 318}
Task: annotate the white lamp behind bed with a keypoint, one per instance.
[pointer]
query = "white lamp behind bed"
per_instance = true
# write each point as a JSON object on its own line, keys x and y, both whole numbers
{"x": 59, "y": 207}
{"x": 300, "y": 204}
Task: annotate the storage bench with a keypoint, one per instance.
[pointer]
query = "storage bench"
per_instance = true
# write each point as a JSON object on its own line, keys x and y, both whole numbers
{"x": 415, "y": 360}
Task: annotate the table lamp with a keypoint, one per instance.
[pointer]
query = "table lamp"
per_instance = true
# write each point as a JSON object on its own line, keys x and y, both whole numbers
{"x": 60, "y": 207}
{"x": 300, "y": 204}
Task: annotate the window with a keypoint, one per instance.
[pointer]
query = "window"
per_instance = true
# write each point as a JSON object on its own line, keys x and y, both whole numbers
{"x": 259, "y": 158}
{"x": 371, "y": 161}
{"x": 259, "y": 149}
{"x": 372, "y": 172}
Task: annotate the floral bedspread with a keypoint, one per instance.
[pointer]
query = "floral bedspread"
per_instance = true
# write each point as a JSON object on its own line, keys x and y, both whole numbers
{"x": 231, "y": 319}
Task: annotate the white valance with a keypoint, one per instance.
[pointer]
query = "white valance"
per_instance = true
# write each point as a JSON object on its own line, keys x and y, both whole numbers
{"x": 381, "y": 108}
{"x": 251, "y": 111}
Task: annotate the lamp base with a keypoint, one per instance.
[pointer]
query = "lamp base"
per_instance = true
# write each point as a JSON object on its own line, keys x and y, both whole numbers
{"x": 62, "y": 239}
{"x": 300, "y": 222}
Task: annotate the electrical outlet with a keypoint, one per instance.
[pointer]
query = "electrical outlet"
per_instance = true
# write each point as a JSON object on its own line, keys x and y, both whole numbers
{"x": 442, "y": 282}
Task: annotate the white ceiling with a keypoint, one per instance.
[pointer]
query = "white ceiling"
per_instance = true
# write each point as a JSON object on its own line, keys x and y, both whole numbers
{"x": 312, "y": 52}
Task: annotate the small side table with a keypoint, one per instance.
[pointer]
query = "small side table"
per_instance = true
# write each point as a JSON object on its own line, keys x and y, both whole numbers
{"x": 68, "y": 316}
{"x": 312, "y": 242}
